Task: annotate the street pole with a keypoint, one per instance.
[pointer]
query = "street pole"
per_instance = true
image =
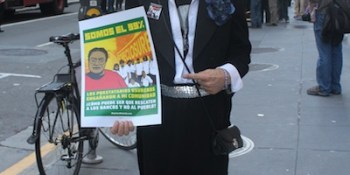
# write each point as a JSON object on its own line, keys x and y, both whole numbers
{"x": 92, "y": 157}
{"x": 90, "y": 9}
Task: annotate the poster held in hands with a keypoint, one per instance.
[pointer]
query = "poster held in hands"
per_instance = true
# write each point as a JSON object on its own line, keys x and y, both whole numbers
{"x": 114, "y": 49}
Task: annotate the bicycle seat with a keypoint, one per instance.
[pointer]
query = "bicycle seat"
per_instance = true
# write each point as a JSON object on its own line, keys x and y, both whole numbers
{"x": 50, "y": 87}
{"x": 59, "y": 82}
{"x": 67, "y": 38}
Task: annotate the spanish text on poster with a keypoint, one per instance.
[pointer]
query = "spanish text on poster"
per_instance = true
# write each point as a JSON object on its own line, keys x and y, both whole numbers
{"x": 120, "y": 79}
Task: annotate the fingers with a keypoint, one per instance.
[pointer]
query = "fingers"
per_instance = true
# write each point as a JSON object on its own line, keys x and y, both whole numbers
{"x": 210, "y": 80}
{"x": 131, "y": 125}
{"x": 121, "y": 128}
{"x": 115, "y": 127}
{"x": 200, "y": 78}
{"x": 195, "y": 77}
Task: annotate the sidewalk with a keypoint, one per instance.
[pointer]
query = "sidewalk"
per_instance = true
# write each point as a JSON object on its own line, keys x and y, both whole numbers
{"x": 293, "y": 133}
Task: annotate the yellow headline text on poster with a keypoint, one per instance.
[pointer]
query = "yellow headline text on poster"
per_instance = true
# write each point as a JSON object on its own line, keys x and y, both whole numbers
{"x": 114, "y": 30}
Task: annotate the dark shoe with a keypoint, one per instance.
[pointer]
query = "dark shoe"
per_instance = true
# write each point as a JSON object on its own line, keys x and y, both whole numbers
{"x": 1, "y": 30}
{"x": 271, "y": 24}
{"x": 316, "y": 91}
{"x": 335, "y": 93}
{"x": 255, "y": 27}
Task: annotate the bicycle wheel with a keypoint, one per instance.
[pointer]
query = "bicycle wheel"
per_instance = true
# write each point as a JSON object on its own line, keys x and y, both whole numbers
{"x": 124, "y": 142}
{"x": 58, "y": 148}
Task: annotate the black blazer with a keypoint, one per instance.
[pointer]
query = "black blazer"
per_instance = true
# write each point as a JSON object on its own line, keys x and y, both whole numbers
{"x": 213, "y": 46}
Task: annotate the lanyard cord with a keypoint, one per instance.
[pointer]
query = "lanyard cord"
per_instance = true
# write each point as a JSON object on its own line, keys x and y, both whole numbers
{"x": 183, "y": 12}
{"x": 189, "y": 71}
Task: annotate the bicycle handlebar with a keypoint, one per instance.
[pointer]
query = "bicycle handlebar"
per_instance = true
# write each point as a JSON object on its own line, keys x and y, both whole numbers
{"x": 67, "y": 38}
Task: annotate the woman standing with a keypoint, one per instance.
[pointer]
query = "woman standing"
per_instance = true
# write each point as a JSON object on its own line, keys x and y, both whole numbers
{"x": 212, "y": 39}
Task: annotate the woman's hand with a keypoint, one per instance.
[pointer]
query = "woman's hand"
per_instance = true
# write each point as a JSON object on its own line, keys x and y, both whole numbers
{"x": 210, "y": 80}
{"x": 122, "y": 127}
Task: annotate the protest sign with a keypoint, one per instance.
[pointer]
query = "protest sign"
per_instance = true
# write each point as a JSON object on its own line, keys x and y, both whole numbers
{"x": 120, "y": 79}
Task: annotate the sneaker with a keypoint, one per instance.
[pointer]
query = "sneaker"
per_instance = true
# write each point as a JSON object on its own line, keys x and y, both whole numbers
{"x": 316, "y": 91}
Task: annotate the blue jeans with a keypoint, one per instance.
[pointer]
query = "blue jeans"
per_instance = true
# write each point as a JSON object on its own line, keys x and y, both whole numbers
{"x": 330, "y": 61}
{"x": 255, "y": 13}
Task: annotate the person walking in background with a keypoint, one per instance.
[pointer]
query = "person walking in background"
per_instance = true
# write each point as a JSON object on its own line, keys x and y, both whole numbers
{"x": 265, "y": 12}
{"x": 119, "y": 5}
{"x": 2, "y": 11}
{"x": 283, "y": 10}
{"x": 217, "y": 57}
{"x": 255, "y": 13}
{"x": 104, "y": 6}
{"x": 110, "y": 8}
{"x": 273, "y": 6}
{"x": 330, "y": 55}
{"x": 299, "y": 8}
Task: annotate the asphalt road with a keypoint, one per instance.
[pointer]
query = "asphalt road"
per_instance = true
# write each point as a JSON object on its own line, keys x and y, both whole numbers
{"x": 27, "y": 61}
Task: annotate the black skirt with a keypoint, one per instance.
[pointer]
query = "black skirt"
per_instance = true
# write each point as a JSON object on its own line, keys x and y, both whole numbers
{"x": 181, "y": 145}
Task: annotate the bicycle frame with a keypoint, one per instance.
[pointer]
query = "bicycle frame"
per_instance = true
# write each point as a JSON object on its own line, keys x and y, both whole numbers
{"x": 61, "y": 84}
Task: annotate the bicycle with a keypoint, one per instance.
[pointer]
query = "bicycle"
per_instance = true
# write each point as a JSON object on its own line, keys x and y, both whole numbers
{"x": 57, "y": 134}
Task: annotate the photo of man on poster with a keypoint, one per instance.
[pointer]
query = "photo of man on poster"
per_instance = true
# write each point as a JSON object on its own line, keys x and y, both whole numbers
{"x": 99, "y": 78}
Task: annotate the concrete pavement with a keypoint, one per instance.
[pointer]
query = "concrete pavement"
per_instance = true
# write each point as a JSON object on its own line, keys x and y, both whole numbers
{"x": 292, "y": 133}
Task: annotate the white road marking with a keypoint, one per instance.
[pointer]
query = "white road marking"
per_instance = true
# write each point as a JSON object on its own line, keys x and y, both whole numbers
{"x": 4, "y": 75}
{"x": 45, "y": 44}
{"x": 41, "y": 19}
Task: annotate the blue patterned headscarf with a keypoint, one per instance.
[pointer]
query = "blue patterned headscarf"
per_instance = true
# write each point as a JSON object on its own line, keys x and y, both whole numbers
{"x": 220, "y": 10}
